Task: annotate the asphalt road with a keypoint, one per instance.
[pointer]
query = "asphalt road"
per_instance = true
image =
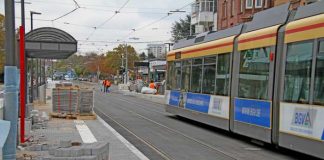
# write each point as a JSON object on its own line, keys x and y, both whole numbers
{"x": 159, "y": 135}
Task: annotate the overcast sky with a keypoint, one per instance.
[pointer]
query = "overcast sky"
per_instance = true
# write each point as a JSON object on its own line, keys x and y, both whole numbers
{"x": 148, "y": 18}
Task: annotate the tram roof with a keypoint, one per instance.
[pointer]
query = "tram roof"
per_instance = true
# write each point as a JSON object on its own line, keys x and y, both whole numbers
{"x": 267, "y": 18}
{"x": 309, "y": 10}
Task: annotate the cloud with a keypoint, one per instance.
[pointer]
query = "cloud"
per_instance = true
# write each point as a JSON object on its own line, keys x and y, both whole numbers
{"x": 136, "y": 14}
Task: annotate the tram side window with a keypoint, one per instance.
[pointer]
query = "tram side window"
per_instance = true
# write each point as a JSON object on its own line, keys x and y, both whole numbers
{"x": 319, "y": 76}
{"x": 298, "y": 72}
{"x": 196, "y": 76}
{"x": 223, "y": 75}
{"x": 170, "y": 80}
{"x": 254, "y": 73}
{"x": 209, "y": 75}
{"x": 177, "y": 76}
{"x": 186, "y": 70}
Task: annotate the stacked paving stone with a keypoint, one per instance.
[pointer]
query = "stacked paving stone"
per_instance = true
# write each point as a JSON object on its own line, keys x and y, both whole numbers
{"x": 86, "y": 101}
{"x": 65, "y": 151}
{"x": 65, "y": 100}
{"x": 39, "y": 119}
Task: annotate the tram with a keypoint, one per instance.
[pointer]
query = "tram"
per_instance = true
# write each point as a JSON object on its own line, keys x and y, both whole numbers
{"x": 263, "y": 79}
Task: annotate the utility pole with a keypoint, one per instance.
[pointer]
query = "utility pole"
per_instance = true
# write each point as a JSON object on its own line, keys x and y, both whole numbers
{"x": 126, "y": 66}
{"x": 11, "y": 83}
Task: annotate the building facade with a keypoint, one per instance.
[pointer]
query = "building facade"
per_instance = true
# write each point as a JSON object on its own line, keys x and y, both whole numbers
{"x": 158, "y": 50}
{"x": 203, "y": 16}
{"x": 234, "y": 12}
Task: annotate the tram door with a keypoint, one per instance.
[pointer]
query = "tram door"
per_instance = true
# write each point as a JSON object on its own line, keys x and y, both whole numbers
{"x": 253, "y": 98}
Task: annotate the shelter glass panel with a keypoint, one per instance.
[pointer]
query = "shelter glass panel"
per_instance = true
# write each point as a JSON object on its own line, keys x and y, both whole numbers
{"x": 298, "y": 72}
{"x": 223, "y": 74}
{"x": 196, "y": 79}
{"x": 209, "y": 79}
{"x": 254, "y": 73}
{"x": 319, "y": 76}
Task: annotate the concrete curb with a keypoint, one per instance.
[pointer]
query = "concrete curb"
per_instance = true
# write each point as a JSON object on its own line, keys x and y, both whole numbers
{"x": 153, "y": 98}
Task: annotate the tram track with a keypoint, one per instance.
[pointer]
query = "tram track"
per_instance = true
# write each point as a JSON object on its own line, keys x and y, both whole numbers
{"x": 217, "y": 151}
{"x": 154, "y": 148}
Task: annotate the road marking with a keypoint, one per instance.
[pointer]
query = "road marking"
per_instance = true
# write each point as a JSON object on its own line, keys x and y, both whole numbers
{"x": 131, "y": 147}
{"x": 85, "y": 132}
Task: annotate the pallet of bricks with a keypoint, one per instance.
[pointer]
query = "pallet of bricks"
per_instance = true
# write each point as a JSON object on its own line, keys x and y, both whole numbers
{"x": 72, "y": 102}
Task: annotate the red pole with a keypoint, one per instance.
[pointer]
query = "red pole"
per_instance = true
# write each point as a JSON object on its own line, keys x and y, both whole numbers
{"x": 22, "y": 84}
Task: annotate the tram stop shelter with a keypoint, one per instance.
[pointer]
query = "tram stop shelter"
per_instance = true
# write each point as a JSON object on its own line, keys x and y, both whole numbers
{"x": 47, "y": 43}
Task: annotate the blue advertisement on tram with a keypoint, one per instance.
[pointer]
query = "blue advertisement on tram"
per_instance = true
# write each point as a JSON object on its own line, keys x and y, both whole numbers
{"x": 253, "y": 112}
{"x": 198, "y": 102}
{"x": 174, "y": 98}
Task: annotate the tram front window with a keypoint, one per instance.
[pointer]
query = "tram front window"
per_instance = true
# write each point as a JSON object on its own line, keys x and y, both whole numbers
{"x": 319, "y": 77}
{"x": 170, "y": 80}
{"x": 254, "y": 73}
{"x": 298, "y": 72}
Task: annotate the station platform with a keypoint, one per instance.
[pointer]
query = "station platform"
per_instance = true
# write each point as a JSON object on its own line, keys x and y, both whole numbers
{"x": 55, "y": 132}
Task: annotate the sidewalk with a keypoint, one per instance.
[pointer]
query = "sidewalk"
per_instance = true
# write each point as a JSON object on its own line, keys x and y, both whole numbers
{"x": 75, "y": 139}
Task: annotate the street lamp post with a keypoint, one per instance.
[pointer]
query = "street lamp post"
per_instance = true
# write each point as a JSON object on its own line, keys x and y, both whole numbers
{"x": 31, "y": 79}
{"x": 126, "y": 66}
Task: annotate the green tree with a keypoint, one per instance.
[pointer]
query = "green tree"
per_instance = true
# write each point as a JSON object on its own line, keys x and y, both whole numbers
{"x": 113, "y": 58}
{"x": 181, "y": 29}
{"x": 150, "y": 56}
{"x": 142, "y": 56}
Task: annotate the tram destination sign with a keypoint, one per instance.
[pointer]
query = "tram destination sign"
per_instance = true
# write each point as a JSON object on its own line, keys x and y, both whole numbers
{"x": 178, "y": 55}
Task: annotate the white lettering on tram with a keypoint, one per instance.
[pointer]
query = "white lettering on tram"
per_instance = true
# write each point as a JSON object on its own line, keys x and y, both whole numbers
{"x": 255, "y": 112}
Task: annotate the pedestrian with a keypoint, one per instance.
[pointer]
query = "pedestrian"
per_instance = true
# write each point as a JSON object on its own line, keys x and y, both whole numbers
{"x": 108, "y": 84}
{"x": 103, "y": 89}
{"x": 152, "y": 85}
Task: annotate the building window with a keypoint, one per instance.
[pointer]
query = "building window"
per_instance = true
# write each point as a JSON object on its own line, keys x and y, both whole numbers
{"x": 232, "y": 8}
{"x": 242, "y": 6}
{"x": 249, "y": 4}
{"x": 224, "y": 10}
{"x": 258, "y": 3}
{"x": 266, "y": 3}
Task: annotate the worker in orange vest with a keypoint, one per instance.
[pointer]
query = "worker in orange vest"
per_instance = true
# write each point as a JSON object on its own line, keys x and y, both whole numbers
{"x": 152, "y": 85}
{"x": 108, "y": 84}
